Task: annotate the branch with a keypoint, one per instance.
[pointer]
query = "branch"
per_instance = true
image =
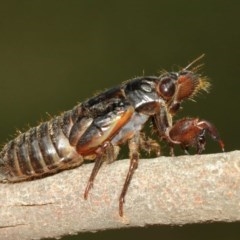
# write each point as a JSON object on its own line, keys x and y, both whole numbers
{"x": 167, "y": 190}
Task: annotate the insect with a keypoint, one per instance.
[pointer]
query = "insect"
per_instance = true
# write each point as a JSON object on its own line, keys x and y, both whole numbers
{"x": 96, "y": 128}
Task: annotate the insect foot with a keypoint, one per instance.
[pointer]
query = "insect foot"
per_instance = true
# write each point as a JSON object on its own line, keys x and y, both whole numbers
{"x": 191, "y": 132}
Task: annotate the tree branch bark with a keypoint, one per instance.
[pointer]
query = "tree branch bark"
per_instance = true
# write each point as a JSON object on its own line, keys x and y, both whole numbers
{"x": 165, "y": 190}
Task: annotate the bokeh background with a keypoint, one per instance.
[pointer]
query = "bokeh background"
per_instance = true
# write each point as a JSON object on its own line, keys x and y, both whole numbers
{"x": 54, "y": 54}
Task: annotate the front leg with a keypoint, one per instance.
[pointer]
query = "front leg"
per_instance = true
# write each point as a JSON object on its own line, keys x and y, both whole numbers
{"x": 191, "y": 132}
{"x": 162, "y": 122}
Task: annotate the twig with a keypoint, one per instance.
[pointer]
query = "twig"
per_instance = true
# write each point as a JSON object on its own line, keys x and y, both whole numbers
{"x": 178, "y": 190}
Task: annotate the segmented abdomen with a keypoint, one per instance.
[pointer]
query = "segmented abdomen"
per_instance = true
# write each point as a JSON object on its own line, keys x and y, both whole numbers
{"x": 45, "y": 149}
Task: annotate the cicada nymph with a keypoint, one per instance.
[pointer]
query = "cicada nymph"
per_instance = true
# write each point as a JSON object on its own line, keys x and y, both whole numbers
{"x": 96, "y": 128}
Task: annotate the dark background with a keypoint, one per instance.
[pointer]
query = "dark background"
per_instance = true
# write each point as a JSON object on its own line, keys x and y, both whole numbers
{"x": 54, "y": 54}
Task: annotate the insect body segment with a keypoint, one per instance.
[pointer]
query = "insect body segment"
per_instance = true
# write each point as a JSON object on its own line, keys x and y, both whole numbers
{"x": 96, "y": 128}
{"x": 40, "y": 151}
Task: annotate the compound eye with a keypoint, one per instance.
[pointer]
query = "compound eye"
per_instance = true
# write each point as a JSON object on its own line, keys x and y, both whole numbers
{"x": 167, "y": 87}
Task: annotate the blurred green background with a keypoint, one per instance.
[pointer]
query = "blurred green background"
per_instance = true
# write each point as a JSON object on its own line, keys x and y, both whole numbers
{"x": 54, "y": 54}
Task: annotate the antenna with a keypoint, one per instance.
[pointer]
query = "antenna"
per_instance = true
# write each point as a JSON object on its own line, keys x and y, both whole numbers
{"x": 194, "y": 61}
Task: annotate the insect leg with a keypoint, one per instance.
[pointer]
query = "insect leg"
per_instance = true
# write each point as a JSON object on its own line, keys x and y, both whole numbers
{"x": 97, "y": 165}
{"x": 149, "y": 145}
{"x": 162, "y": 122}
{"x": 100, "y": 152}
{"x": 191, "y": 132}
{"x": 134, "y": 156}
{"x": 111, "y": 153}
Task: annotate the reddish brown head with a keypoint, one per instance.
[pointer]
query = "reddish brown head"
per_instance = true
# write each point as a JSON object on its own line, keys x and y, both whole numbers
{"x": 188, "y": 85}
{"x": 177, "y": 86}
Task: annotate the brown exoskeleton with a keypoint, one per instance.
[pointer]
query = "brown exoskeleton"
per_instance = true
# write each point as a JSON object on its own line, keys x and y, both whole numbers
{"x": 97, "y": 127}
{"x": 190, "y": 132}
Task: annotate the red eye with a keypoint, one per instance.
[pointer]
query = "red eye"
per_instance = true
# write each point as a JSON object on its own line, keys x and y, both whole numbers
{"x": 167, "y": 87}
